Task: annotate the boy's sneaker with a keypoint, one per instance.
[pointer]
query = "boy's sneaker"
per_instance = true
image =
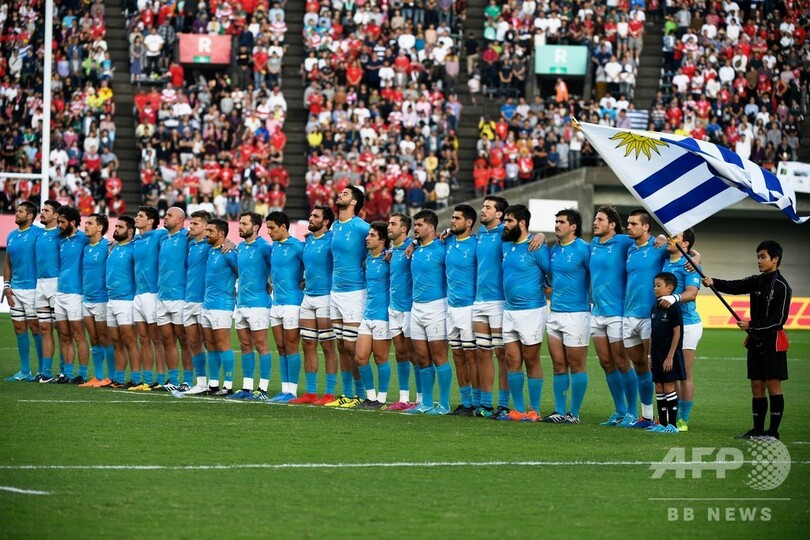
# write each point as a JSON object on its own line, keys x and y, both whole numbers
{"x": 643, "y": 423}
{"x": 681, "y": 425}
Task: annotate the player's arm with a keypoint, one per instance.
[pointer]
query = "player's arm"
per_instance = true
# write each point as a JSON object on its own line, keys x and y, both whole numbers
{"x": 8, "y": 294}
{"x": 538, "y": 240}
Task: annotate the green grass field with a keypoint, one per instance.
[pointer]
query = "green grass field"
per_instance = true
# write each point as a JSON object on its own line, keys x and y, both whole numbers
{"x": 151, "y": 466}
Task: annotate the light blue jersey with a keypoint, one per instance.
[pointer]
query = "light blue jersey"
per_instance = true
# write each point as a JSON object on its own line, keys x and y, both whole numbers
{"x": 318, "y": 264}
{"x": 377, "y": 275}
{"x": 349, "y": 252}
{"x": 608, "y": 278}
{"x": 94, "y": 272}
{"x": 524, "y": 272}
{"x": 489, "y": 254}
{"x": 21, "y": 249}
{"x": 428, "y": 271}
{"x": 685, "y": 279}
{"x": 220, "y": 280}
{"x": 401, "y": 279}
{"x": 147, "y": 248}
{"x": 287, "y": 271}
{"x": 570, "y": 278}
{"x": 196, "y": 261}
{"x": 172, "y": 266}
{"x": 253, "y": 260}
{"x": 48, "y": 253}
{"x": 461, "y": 271}
{"x": 121, "y": 272}
{"x": 642, "y": 264}
{"x": 70, "y": 263}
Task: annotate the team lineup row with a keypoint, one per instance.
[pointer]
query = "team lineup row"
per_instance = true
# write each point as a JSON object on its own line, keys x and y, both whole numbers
{"x": 158, "y": 298}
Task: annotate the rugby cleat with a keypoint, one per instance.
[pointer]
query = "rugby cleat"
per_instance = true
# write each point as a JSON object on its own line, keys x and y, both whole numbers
{"x": 184, "y": 387}
{"x": 515, "y": 416}
{"x": 457, "y": 411}
{"x": 368, "y": 405}
{"x": 531, "y": 416}
{"x": 681, "y": 425}
{"x": 278, "y": 397}
{"x": 419, "y": 409}
{"x": 438, "y": 410}
{"x": 241, "y": 394}
{"x": 499, "y": 413}
{"x": 223, "y": 392}
{"x": 19, "y": 377}
{"x": 642, "y": 423}
{"x": 47, "y": 379}
{"x": 38, "y": 377}
{"x": 258, "y": 395}
{"x": 397, "y": 406}
{"x": 351, "y": 404}
{"x": 629, "y": 420}
{"x": 286, "y": 398}
{"x": 92, "y": 383}
{"x": 305, "y": 399}
{"x": 484, "y": 412}
{"x": 571, "y": 419}
{"x": 197, "y": 390}
{"x": 323, "y": 400}
{"x": 143, "y": 387}
{"x": 613, "y": 421}
{"x": 467, "y": 412}
{"x": 61, "y": 379}
{"x": 337, "y": 402}
{"x": 554, "y": 418}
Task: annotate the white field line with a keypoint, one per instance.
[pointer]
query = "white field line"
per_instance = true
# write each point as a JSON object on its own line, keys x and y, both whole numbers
{"x": 23, "y": 491}
{"x": 105, "y": 401}
{"x": 392, "y": 465}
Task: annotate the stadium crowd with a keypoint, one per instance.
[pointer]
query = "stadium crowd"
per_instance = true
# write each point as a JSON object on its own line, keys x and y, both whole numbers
{"x": 82, "y": 165}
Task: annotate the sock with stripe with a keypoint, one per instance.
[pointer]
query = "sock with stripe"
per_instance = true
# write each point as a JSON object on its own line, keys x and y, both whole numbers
{"x": 614, "y": 381}
{"x": 661, "y": 402}
{"x": 466, "y": 395}
{"x": 503, "y": 398}
{"x": 428, "y": 381}
{"x": 684, "y": 410}
{"x": 109, "y": 355}
{"x": 38, "y": 349}
{"x": 47, "y": 366}
{"x": 404, "y": 376}
{"x": 148, "y": 376}
{"x": 248, "y": 368}
{"x": 476, "y": 397}
{"x": 672, "y": 407}
{"x": 228, "y": 365}
{"x": 331, "y": 383}
{"x": 646, "y": 391}
{"x": 486, "y": 399}
{"x": 561, "y": 384}
{"x": 516, "y": 380}
{"x": 174, "y": 376}
{"x": 97, "y": 353}
{"x": 83, "y": 369}
{"x": 384, "y": 376}
{"x": 24, "y": 350}
{"x": 630, "y": 383}
{"x": 445, "y": 375}
{"x": 214, "y": 363}
{"x": 535, "y": 393}
{"x": 367, "y": 375}
{"x": 265, "y": 368}
{"x": 347, "y": 380}
{"x": 579, "y": 384}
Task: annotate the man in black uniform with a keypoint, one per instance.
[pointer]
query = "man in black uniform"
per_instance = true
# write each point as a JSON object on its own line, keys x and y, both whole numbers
{"x": 766, "y": 341}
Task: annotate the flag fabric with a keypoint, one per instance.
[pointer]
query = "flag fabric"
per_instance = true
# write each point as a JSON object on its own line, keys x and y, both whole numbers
{"x": 682, "y": 181}
{"x": 639, "y": 118}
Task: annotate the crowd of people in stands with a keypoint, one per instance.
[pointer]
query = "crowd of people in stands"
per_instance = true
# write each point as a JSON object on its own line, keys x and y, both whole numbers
{"x": 82, "y": 164}
{"x": 215, "y": 140}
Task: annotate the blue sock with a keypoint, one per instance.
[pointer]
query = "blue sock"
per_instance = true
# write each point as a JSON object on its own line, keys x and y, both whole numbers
{"x": 136, "y": 377}
{"x": 109, "y": 355}
{"x": 516, "y": 380}
{"x": 348, "y": 379}
{"x": 61, "y": 362}
{"x": 248, "y": 365}
{"x": 384, "y": 375}
{"x": 228, "y": 364}
{"x": 148, "y": 376}
{"x": 174, "y": 376}
{"x": 404, "y": 376}
{"x": 630, "y": 383}
{"x": 97, "y": 352}
{"x": 614, "y": 381}
{"x": 486, "y": 399}
{"x": 38, "y": 349}
{"x": 684, "y": 410}
{"x": 161, "y": 378}
{"x": 646, "y": 388}
{"x": 83, "y": 371}
{"x": 47, "y": 366}
{"x": 428, "y": 381}
{"x": 476, "y": 397}
{"x": 359, "y": 388}
{"x": 214, "y": 363}
{"x": 579, "y": 383}
{"x": 367, "y": 376}
{"x": 293, "y": 368}
{"x": 283, "y": 367}
{"x": 535, "y": 392}
{"x": 312, "y": 382}
{"x": 265, "y": 366}
{"x": 23, "y": 349}
{"x": 68, "y": 370}
{"x": 466, "y": 395}
{"x": 199, "y": 364}
{"x": 417, "y": 373}
{"x": 561, "y": 384}
{"x": 331, "y": 383}
{"x": 445, "y": 375}
{"x": 119, "y": 376}
{"x": 503, "y": 398}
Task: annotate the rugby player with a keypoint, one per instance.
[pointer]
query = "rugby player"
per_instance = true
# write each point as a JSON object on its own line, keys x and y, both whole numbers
{"x": 120, "y": 281}
{"x": 47, "y": 274}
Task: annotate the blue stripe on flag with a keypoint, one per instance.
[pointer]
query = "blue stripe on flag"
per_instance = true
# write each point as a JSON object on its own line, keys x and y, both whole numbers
{"x": 772, "y": 182}
{"x": 730, "y": 157}
{"x": 691, "y": 200}
{"x": 665, "y": 176}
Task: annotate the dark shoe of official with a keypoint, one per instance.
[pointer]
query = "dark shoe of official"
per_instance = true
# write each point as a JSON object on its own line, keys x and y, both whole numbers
{"x": 772, "y": 434}
{"x": 750, "y": 434}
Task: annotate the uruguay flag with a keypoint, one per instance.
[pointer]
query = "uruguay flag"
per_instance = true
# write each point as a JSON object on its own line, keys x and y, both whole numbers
{"x": 682, "y": 181}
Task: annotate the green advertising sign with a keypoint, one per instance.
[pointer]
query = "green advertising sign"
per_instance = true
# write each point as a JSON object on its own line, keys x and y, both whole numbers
{"x": 560, "y": 60}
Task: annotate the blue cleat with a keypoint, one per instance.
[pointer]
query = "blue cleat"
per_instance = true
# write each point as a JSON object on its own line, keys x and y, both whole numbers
{"x": 277, "y": 398}
{"x": 286, "y": 398}
{"x": 258, "y": 395}
{"x": 613, "y": 421}
{"x": 629, "y": 420}
{"x": 419, "y": 409}
{"x": 658, "y": 428}
{"x": 20, "y": 377}
{"x": 241, "y": 394}
{"x": 642, "y": 423}
{"x": 438, "y": 410}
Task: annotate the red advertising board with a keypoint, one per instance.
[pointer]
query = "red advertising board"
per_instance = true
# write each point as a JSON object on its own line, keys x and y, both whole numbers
{"x": 205, "y": 49}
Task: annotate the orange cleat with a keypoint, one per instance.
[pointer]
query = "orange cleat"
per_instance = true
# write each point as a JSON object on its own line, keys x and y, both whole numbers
{"x": 305, "y": 399}
{"x": 327, "y": 398}
{"x": 92, "y": 383}
{"x": 531, "y": 416}
{"x": 516, "y": 416}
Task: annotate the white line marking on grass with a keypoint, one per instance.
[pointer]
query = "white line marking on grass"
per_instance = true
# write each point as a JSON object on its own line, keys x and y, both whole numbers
{"x": 392, "y": 465}
{"x": 23, "y": 491}
{"x": 719, "y": 499}
{"x": 800, "y": 442}
{"x": 100, "y": 401}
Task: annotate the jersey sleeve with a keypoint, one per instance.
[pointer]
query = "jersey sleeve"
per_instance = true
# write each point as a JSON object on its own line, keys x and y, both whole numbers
{"x": 675, "y": 315}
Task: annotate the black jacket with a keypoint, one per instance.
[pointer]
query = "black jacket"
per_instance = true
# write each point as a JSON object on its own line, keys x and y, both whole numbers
{"x": 770, "y": 300}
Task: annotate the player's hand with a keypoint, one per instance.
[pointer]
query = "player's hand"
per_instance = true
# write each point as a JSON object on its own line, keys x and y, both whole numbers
{"x": 387, "y": 255}
{"x": 660, "y": 240}
{"x": 668, "y": 364}
{"x": 444, "y": 234}
{"x": 744, "y": 325}
{"x": 8, "y": 294}
{"x": 666, "y": 301}
{"x": 707, "y": 281}
{"x": 537, "y": 241}
{"x": 409, "y": 250}
{"x": 697, "y": 258}
{"x": 228, "y": 246}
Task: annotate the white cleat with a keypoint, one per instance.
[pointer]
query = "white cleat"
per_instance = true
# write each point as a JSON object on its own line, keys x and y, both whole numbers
{"x": 197, "y": 390}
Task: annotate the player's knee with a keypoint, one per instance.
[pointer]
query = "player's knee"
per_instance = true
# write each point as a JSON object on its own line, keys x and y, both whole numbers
{"x": 309, "y": 334}
{"x": 497, "y": 340}
{"x": 326, "y": 335}
{"x": 455, "y": 344}
{"x": 350, "y": 334}
{"x": 483, "y": 341}
{"x": 338, "y": 329}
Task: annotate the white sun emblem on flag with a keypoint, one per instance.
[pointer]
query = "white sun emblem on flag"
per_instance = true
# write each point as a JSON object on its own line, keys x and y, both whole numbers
{"x": 638, "y": 144}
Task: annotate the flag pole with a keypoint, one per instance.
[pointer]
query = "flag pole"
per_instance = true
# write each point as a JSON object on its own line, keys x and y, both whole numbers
{"x": 47, "y": 75}
{"x": 702, "y": 275}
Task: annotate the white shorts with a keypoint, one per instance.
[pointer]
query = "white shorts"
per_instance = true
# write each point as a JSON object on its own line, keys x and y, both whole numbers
{"x": 490, "y": 313}
{"x": 378, "y": 330}
{"x": 610, "y": 327}
{"x": 46, "y": 293}
{"x": 691, "y": 336}
{"x": 119, "y": 313}
{"x": 255, "y": 318}
{"x": 573, "y": 328}
{"x": 192, "y": 313}
{"x": 68, "y": 307}
{"x": 460, "y": 326}
{"x": 286, "y": 316}
{"x": 216, "y": 319}
{"x": 97, "y": 310}
{"x": 315, "y": 307}
{"x": 635, "y": 330}
{"x": 145, "y": 308}
{"x": 524, "y": 325}
{"x": 399, "y": 322}
{"x": 428, "y": 320}
{"x": 170, "y": 312}
{"x": 347, "y": 306}
{"x": 25, "y": 304}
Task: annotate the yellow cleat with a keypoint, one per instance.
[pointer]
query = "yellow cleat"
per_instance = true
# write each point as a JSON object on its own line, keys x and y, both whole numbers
{"x": 682, "y": 426}
{"x": 340, "y": 401}
{"x": 352, "y": 403}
